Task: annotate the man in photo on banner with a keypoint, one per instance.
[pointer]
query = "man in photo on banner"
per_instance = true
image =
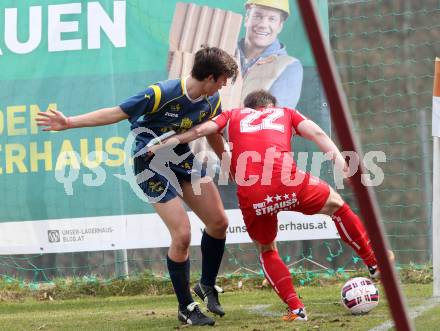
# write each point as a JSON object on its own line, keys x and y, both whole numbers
{"x": 268, "y": 181}
{"x": 264, "y": 61}
{"x": 175, "y": 106}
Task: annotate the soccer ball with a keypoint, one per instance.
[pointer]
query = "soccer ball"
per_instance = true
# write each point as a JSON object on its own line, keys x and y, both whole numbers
{"x": 359, "y": 295}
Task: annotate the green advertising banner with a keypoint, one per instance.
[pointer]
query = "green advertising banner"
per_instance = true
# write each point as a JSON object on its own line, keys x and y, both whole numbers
{"x": 77, "y": 56}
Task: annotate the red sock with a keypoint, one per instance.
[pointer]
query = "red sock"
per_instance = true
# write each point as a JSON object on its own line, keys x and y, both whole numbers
{"x": 280, "y": 278}
{"x": 353, "y": 232}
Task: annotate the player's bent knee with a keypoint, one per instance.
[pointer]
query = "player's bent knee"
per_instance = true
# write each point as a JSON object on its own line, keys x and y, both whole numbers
{"x": 219, "y": 225}
{"x": 223, "y": 224}
{"x": 266, "y": 247}
{"x": 181, "y": 241}
{"x": 333, "y": 203}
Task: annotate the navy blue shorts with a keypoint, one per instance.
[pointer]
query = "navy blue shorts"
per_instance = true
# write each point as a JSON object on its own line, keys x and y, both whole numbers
{"x": 159, "y": 185}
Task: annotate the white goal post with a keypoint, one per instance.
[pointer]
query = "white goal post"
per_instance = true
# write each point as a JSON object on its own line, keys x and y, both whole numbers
{"x": 436, "y": 217}
{"x": 436, "y": 179}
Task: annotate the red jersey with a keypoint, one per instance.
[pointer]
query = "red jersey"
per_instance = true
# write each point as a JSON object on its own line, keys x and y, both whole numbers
{"x": 258, "y": 136}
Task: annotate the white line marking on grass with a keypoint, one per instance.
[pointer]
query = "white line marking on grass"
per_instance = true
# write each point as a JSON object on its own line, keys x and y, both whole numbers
{"x": 415, "y": 312}
{"x": 262, "y": 310}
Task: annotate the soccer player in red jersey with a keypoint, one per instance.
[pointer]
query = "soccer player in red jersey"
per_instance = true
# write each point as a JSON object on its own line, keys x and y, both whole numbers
{"x": 268, "y": 181}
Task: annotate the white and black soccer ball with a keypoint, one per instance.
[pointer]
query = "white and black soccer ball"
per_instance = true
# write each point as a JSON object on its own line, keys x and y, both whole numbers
{"x": 359, "y": 295}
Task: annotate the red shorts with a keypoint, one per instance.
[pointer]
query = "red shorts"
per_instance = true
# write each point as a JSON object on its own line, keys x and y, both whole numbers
{"x": 260, "y": 204}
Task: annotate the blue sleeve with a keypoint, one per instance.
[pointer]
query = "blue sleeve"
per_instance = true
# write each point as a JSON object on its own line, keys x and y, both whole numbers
{"x": 144, "y": 102}
{"x": 287, "y": 87}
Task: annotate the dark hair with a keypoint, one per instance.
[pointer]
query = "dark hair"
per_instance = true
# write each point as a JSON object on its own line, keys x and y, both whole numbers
{"x": 258, "y": 99}
{"x": 213, "y": 61}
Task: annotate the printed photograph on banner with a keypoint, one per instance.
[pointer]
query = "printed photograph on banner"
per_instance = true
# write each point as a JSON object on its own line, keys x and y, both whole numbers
{"x": 264, "y": 37}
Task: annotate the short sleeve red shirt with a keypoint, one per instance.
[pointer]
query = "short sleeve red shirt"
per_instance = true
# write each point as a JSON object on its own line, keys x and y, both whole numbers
{"x": 258, "y": 134}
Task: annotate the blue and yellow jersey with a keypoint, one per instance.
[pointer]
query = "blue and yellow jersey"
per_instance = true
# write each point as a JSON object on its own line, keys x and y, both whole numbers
{"x": 165, "y": 106}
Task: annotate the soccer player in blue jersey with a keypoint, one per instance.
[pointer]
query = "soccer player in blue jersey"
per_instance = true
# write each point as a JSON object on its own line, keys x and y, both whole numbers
{"x": 176, "y": 105}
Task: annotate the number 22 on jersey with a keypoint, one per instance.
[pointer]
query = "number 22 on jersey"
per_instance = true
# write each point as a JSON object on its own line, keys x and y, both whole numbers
{"x": 267, "y": 123}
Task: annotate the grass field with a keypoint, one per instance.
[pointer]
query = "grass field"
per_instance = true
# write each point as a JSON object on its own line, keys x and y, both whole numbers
{"x": 258, "y": 309}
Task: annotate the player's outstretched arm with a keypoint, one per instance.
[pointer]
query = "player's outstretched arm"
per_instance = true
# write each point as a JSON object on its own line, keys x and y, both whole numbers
{"x": 54, "y": 120}
{"x": 217, "y": 144}
{"x": 313, "y": 132}
{"x": 201, "y": 130}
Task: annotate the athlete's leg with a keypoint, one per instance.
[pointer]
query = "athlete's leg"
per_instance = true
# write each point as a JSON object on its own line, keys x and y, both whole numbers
{"x": 317, "y": 197}
{"x": 350, "y": 227}
{"x": 171, "y": 210}
{"x": 176, "y": 219}
{"x": 262, "y": 227}
{"x": 278, "y": 275}
{"x": 208, "y": 207}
